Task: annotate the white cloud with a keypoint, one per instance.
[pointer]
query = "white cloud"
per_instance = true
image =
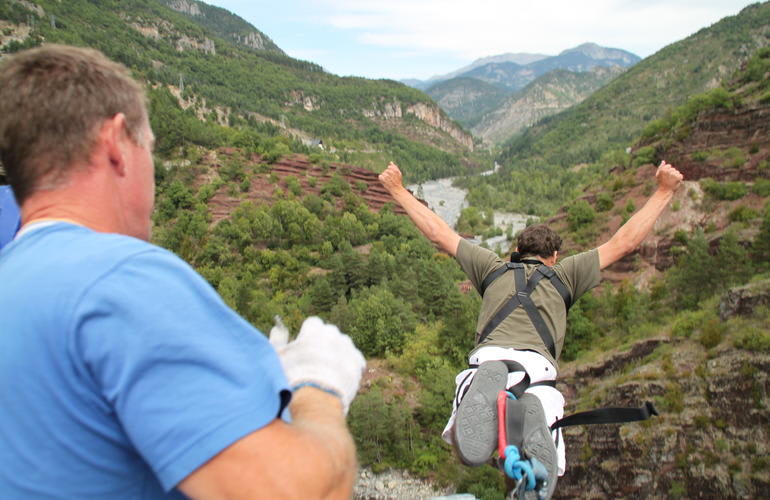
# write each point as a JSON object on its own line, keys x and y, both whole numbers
{"x": 480, "y": 28}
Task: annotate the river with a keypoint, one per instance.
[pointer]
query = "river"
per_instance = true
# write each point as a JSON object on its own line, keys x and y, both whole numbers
{"x": 448, "y": 201}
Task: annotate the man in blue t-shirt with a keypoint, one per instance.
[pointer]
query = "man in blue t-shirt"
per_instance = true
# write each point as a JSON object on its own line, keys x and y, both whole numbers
{"x": 123, "y": 373}
{"x": 10, "y": 219}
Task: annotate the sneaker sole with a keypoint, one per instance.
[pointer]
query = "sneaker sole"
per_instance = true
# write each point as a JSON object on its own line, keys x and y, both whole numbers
{"x": 475, "y": 431}
{"x": 538, "y": 442}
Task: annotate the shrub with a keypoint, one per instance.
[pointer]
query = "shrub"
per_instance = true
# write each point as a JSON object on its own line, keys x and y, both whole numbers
{"x": 711, "y": 334}
{"x": 604, "y": 201}
{"x": 753, "y": 339}
{"x": 644, "y": 156}
{"x": 742, "y": 213}
{"x": 724, "y": 191}
{"x": 761, "y": 187}
{"x": 580, "y": 214}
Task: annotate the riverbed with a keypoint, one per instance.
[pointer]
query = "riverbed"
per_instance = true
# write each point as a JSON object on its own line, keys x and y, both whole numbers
{"x": 448, "y": 202}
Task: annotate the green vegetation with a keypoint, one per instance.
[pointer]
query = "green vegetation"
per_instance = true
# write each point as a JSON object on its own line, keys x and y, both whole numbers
{"x": 262, "y": 91}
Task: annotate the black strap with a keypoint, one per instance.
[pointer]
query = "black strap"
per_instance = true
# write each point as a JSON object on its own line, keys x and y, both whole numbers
{"x": 607, "y": 416}
{"x": 493, "y": 276}
{"x": 557, "y": 283}
{"x": 529, "y": 306}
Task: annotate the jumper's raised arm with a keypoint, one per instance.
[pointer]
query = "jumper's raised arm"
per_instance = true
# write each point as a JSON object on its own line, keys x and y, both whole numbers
{"x": 430, "y": 224}
{"x": 636, "y": 229}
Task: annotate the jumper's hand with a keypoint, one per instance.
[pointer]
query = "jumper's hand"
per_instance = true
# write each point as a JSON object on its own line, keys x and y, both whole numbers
{"x": 391, "y": 177}
{"x": 668, "y": 177}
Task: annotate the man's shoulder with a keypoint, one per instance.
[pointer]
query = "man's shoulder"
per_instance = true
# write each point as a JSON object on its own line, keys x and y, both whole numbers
{"x": 65, "y": 249}
{"x": 588, "y": 259}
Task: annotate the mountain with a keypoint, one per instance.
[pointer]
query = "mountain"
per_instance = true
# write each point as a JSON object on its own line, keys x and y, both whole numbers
{"x": 517, "y": 58}
{"x": 224, "y": 24}
{"x": 480, "y": 97}
{"x": 467, "y": 99}
{"x": 513, "y": 76}
{"x": 549, "y": 94}
{"x": 203, "y": 62}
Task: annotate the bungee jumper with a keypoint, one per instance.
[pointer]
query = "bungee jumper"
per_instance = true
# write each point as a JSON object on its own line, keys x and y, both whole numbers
{"x": 506, "y": 400}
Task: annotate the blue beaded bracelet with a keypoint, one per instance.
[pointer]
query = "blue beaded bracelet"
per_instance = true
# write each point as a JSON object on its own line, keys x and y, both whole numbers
{"x": 316, "y": 386}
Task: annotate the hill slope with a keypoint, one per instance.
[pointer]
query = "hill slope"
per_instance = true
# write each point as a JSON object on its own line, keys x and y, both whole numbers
{"x": 226, "y": 72}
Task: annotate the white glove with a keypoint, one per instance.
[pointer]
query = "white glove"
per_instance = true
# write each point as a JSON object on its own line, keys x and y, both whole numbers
{"x": 320, "y": 356}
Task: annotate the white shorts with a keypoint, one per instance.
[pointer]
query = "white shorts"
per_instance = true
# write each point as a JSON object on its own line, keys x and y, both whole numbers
{"x": 539, "y": 370}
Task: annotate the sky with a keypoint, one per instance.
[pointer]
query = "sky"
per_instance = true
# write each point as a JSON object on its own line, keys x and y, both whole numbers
{"x": 401, "y": 39}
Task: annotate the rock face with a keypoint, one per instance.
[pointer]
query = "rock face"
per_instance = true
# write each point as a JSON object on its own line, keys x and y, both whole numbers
{"x": 743, "y": 300}
{"x": 747, "y": 129}
{"x": 431, "y": 115}
{"x": 185, "y": 6}
{"x": 711, "y": 440}
{"x": 395, "y": 485}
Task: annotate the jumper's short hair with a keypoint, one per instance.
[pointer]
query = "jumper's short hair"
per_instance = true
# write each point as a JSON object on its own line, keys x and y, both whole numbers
{"x": 539, "y": 240}
{"x": 53, "y": 99}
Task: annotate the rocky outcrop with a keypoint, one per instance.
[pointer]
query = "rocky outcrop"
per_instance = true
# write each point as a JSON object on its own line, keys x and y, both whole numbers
{"x": 712, "y": 437}
{"x": 431, "y": 115}
{"x": 186, "y": 43}
{"x": 253, "y": 40}
{"x": 702, "y": 152}
{"x": 185, "y": 6}
{"x": 395, "y": 485}
{"x": 434, "y": 117}
{"x": 743, "y": 300}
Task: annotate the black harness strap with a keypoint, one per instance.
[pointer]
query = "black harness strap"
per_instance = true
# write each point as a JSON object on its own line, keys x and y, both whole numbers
{"x": 607, "y": 416}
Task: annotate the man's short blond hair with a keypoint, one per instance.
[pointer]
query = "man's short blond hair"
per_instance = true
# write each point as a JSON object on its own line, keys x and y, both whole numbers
{"x": 53, "y": 100}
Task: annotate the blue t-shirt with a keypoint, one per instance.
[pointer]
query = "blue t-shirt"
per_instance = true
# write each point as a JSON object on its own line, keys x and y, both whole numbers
{"x": 121, "y": 369}
{"x": 10, "y": 219}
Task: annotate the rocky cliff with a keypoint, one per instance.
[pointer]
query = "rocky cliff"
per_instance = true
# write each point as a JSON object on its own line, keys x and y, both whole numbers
{"x": 712, "y": 437}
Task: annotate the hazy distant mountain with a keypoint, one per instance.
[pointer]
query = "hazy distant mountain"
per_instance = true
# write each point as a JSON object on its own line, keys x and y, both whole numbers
{"x": 513, "y": 76}
{"x": 520, "y": 58}
{"x": 547, "y": 95}
{"x": 481, "y": 95}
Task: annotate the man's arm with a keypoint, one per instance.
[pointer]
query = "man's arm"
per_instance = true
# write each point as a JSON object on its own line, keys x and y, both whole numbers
{"x": 313, "y": 457}
{"x": 430, "y": 224}
{"x": 633, "y": 232}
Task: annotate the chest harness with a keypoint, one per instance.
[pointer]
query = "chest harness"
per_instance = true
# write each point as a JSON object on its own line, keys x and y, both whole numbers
{"x": 524, "y": 289}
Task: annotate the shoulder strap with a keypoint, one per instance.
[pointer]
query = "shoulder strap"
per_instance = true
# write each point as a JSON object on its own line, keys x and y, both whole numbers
{"x": 558, "y": 284}
{"x": 523, "y": 294}
{"x": 493, "y": 276}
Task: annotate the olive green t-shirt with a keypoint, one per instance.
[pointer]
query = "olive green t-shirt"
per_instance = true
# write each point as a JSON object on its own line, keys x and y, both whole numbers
{"x": 579, "y": 273}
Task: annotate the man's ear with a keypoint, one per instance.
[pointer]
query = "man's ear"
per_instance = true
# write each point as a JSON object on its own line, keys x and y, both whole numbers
{"x": 113, "y": 136}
